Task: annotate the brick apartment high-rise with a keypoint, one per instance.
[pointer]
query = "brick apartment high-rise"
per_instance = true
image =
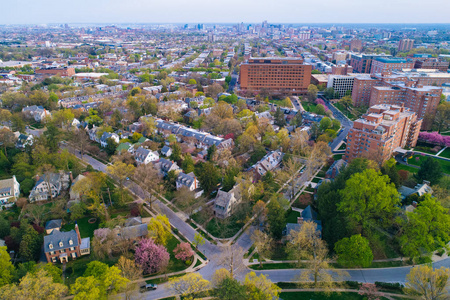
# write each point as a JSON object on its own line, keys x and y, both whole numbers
{"x": 362, "y": 63}
{"x": 405, "y": 45}
{"x": 285, "y": 76}
{"x": 378, "y": 133}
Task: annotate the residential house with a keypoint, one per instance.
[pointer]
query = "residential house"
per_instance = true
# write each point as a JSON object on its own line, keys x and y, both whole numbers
{"x": 165, "y": 166}
{"x": 24, "y": 140}
{"x": 307, "y": 215}
{"x": 336, "y": 168}
{"x": 189, "y": 181}
{"x": 53, "y": 183}
{"x": 268, "y": 163}
{"x": 125, "y": 147}
{"x": 133, "y": 229}
{"x": 53, "y": 225}
{"x": 60, "y": 245}
{"x": 166, "y": 151}
{"x": 9, "y": 191}
{"x": 93, "y": 134}
{"x": 419, "y": 190}
{"x": 145, "y": 156}
{"x": 108, "y": 135}
{"x": 36, "y": 112}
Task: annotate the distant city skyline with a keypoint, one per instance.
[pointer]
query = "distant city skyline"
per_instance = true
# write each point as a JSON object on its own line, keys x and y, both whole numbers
{"x": 231, "y": 11}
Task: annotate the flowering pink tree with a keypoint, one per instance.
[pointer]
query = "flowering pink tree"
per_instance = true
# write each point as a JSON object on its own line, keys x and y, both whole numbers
{"x": 183, "y": 251}
{"x": 434, "y": 138}
{"x": 151, "y": 257}
{"x": 370, "y": 291}
{"x": 320, "y": 101}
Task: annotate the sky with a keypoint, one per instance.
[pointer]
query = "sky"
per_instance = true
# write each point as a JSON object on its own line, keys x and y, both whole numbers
{"x": 217, "y": 11}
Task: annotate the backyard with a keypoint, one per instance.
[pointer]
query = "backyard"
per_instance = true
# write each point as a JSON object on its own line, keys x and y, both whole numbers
{"x": 86, "y": 228}
{"x": 445, "y": 153}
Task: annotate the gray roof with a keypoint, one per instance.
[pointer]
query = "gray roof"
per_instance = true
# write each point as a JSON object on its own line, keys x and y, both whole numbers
{"x": 166, "y": 165}
{"x": 186, "y": 179}
{"x": 52, "y": 224}
{"x": 59, "y": 236}
{"x": 133, "y": 221}
{"x": 223, "y": 198}
{"x": 132, "y": 232}
{"x": 165, "y": 150}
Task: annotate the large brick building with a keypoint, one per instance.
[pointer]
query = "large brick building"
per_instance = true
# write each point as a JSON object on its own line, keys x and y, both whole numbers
{"x": 432, "y": 63}
{"x": 286, "y": 76}
{"x": 381, "y": 64}
{"x": 362, "y": 63}
{"x": 420, "y": 99}
{"x": 63, "y": 72}
{"x": 378, "y": 133}
{"x": 418, "y": 91}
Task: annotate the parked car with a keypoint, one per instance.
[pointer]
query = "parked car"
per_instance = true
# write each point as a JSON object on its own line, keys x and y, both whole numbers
{"x": 148, "y": 287}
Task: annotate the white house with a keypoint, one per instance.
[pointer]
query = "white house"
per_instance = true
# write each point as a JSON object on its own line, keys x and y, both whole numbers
{"x": 145, "y": 156}
{"x": 54, "y": 182}
{"x": 9, "y": 190}
{"x": 37, "y": 112}
{"x": 189, "y": 181}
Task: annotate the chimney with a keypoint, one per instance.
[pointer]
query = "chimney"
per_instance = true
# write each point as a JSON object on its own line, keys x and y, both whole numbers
{"x": 300, "y": 220}
{"x": 78, "y": 233}
{"x": 37, "y": 177}
{"x": 414, "y": 203}
{"x": 71, "y": 176}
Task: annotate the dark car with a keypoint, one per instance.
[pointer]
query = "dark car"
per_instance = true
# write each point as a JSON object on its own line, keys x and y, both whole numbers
{"x": 148, "y": 287}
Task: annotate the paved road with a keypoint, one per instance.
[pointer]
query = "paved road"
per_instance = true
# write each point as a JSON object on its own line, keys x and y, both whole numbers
{"x": 346, "y": 123}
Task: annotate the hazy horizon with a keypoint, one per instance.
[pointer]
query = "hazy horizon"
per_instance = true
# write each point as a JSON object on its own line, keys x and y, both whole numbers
{"x": 31, "y": 12}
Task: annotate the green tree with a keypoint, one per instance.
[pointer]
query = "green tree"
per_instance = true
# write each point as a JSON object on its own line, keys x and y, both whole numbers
{"x": 30, "y": 245}
{"x": 111, "y": 146}
{"x": 428, "y": 283}
{"x": 199, "y": 240}
{"x": 312, "y": 92}
{"x": 368, "y": 196}
{"x": 276, "y": 218}
{"x": 210, "y": 153}
{"x": 208, "y": 175}
{"x": 260, "y": 287}
{"x": 325, "y": 124}
{"x": 52, "y": 137}
{"x": 426, "y": 228}
{"x": 430, "y": 169}
{"x": 176, "y": 152}
{"x": 346, "y": 101}
{"x": 354, "y": 252}
{"x": 230, "y": 289}
{"x": 159, "y": 229}
{"x": 192, "y": 81}
{"x": 279, "y": 117}
{"x": 35, "y": 286}
{"x": 6, "y": 267}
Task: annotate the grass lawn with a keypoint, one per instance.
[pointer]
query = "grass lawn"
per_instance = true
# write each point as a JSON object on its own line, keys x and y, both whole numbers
{"x": 445, "y": 153}
{"x": 406, "y": 168}
{"x": 321, "y": 173}
{"x": 321, "y": 296}
{"x": 86, "y": 228}
{"x": 417, "y": 160}
{"x": 280, "y": 266}
{"x": 316, "y": 180}
{"x": 445, "y": 133}
{"x": 337, "y": 156}
{"x": 175, "y": 265}
{"x": 308, "y": 106}
{"x": 163, "y": 279}
{"x": 224, "y": 228}
{"x": 343, "y": 146}
{"x": 292, "y": 217}
{"x": 309, "y": 189}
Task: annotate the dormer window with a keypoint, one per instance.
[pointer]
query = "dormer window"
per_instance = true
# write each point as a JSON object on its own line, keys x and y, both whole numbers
{"x": 50, "y": 246}
{"x": 70, "y": 242}
{"x": 60, "y": 243}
